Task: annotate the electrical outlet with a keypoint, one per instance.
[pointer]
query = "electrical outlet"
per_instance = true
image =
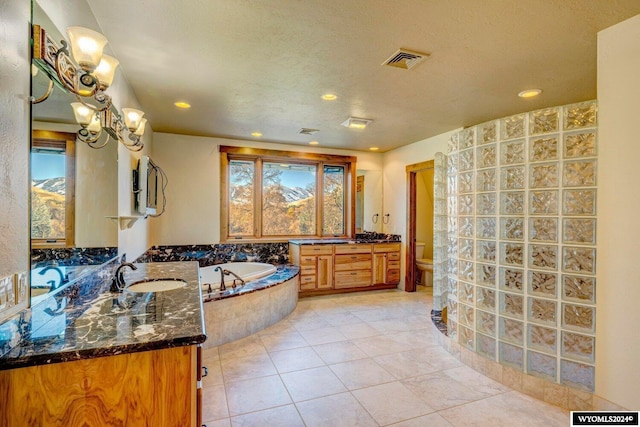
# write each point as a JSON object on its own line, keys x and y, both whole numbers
{"x": 22, "y": 287}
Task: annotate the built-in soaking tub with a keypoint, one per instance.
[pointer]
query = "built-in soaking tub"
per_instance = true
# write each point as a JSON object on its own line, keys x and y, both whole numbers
{"x": 268, "y": 295}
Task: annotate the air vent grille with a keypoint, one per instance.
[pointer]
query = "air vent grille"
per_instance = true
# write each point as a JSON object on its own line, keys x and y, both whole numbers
{"x": 308, "y": 131}
{"x": 405, "y": 59}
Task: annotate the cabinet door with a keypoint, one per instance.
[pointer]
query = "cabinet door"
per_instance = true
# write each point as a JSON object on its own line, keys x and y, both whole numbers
{"x": 379, "y": 268}
{"x": 325, "y": 272}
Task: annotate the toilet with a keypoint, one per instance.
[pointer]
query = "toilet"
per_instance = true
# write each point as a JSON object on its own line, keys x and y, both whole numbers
{"x": 424, "y": 265}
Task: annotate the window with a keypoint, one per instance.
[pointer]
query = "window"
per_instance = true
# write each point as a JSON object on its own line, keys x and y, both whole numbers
{"x": 52, "y": 189}
{"x": 273, "y": 195}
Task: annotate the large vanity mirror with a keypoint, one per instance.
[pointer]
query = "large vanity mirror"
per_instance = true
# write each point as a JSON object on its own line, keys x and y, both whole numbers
{"x": 74, "y": 189}
{"x": 368, "y": 201}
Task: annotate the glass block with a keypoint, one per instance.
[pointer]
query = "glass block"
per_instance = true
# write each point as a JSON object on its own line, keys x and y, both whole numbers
{"x": 580, "y": 115}
{"x": 511, "y": 355}
{"x": 465, "y": 315}
{"x": 543, "y": 175}
{"x": 486, "y": 275}
{"x": 542, "y": 311}
{"x": 543, "y": 149}
{"x": 579, "y": 230}
{"x": 465, "y": 204}
{"x": 487, "y": 180}
{"x": 452, "y": 163}
{"x": 465, "y": 160}
{"x": 466, "y": 226}
{"x": 578, "y": 317}
{"x": 579, "y": 173}
{"x": 465, "y": 248}
{"x": 579, "y": 260}
{"x": 512, "y": 203}
{"x": 512, "y": 253}
{"x": 577, "y": 375}
{"x": 452, "y": 145}
{"x": 543, "y": 202}
{"x": 512, "y": 178}
{"x": 465, "y": 337}
{"x": 452, "y": 247}
{"x": 486, "y": 228}
{"x": 486, "y": 298}
{"x": 543, "y": 229}
{"x": 511, "y": 304}
{"x": 544, "y": 121}
{"x": 541, "y": 365}
{"x": 580, "y": 145}
{"x": 512, "y": 228}
{"x": 578, "y": 346}
{"x": 452, "y": 184}
{"x": 487, "y": 132}
{"x": 465, "y": 271}
{"x": 486, "y": 156}
{"x": 486, "y": 250}
{"x": 452, "y": 287}
{"x": 466, "y": 138}
{"x": 486, "y": 346}
{"x": 512, "y": 152}
{"x": 486, "y": 322}
{"x": 511, "y": 330}
{"x": 543, "y": 256}
{"x": 511, "y": 279}
{"x": 439, "y": 205}
{"x": 465, "y": 293}
{"x": 579, "y": 202}
{"x": 541, "y": 338}
{"x": 543, "y": 283}
{"x": 465, "y": 182}
{"x": 512, "y": 127}
{"x": 579, "y": 288}
{"x": 452, "y": 205}
{"x": 486, "y": 204}
{"x": 452, "y": 268}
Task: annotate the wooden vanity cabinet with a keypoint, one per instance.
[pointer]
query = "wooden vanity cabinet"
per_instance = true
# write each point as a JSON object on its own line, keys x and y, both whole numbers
{"x": 316, "y": 265}
{"x": 148, "y": 388}
{"x": 352, "y": 266}
{"x": 386, "y": 263}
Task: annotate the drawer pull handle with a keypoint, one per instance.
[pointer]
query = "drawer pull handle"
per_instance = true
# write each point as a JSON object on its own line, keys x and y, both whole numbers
{"x": 353, "y": 274}
{"x": 354, "y": 257}
{"x": 205, "y": 371}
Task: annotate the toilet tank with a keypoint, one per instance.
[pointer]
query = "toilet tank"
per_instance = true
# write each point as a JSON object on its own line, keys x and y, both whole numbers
{"x": 420, "y": 250}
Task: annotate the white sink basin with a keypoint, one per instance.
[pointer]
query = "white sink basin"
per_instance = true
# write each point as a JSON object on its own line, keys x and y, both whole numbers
{"x": 160, "y": 285}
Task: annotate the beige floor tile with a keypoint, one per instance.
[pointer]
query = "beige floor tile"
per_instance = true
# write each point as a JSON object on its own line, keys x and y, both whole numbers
{"x": 275, "y": 417}
{"x": 214, "y": 373}
{"x": 214, "y": 403}
{"x": 431, "y": 420}
{"x": 280, "y": 327}
{"x": 309, "y": 323}
{"x": 361, "y": 373}
{"x": 256, "y": 394}
{"x": 440, "y": 391}
{"x": 225, "y": 422}
{"x": 340, "y": 318}
{"x": 357, "y": 330}
{"x": 372, "y": 314}
{"x": 406, "y": 364}
{"x": 248, "y": 346}
{"x": 338, "y": 410}
{"x": 475, "y": 380}
{"x": 244, "y": 368}
{"x": 322, "y": 335}
{"x": 387, "y": 326}
{"x": 312, "y": 383}
{"x": 439, "y": 358}
{"x": 283, "y": 341}
{"x": 338, "y": 352}
{"x": 381, "y": 344}
{"x": 296, "y": 359}
{"x": 391, "y": 402}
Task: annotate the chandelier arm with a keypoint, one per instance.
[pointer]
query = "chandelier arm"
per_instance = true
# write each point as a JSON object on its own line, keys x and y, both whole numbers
{"x": 44, "y": 97}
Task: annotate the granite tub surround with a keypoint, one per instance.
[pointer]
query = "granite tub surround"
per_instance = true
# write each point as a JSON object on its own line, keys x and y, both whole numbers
{"x": 102, "y": 323}
{"x": 71, "y": 256}
{"x": 220, "y": 253}
{"x": 282, "y": 274}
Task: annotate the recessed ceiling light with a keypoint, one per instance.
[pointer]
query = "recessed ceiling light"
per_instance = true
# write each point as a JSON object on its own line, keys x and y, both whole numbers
{"x": 356, "y": 123}
{"x": 182, "y": 104}
{"x": 314, "y": 143}
{"x": 329, "y": 97}
{"x": 256, "y": 134}
{"x": 529, "y": 93}
{"x": 374, "y": 148}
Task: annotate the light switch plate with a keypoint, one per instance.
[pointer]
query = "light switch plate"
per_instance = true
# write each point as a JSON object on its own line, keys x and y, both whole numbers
{"x": 22, "y": 287}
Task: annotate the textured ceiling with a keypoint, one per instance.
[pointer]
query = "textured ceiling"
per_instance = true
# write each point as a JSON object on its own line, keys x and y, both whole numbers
{"x": 262, "y": 65}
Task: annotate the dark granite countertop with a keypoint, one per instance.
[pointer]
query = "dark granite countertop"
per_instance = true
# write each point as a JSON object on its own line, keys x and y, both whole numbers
{"x": 338, "y": 241}
{"x": 101, "y": 327}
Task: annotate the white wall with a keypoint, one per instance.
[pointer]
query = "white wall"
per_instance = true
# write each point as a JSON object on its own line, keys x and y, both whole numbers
{"x": 618, "y": 276}
{"x": 193, "y": 195}
{"x": 395, "y": 183}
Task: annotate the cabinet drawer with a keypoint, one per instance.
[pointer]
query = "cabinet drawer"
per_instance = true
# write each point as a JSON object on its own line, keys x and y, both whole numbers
{"x": 391, "y": 265}
{"x": 316, "y": 250}
{"x": 352, "y": 279}
{"x": 393, "y": 256}
{"x": 353, "y": 249}
{"x": 308, "y": 269}
{"x": 308, "y": 286}
{"x": 393, "y": 276}
{"x": 308, "y": 260}
{"x": 352, "y": 262}
{"x": 386, "y": 247}
{"x": 304, "y": 280}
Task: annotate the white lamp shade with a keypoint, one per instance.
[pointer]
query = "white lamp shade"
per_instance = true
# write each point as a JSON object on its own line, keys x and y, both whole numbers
{"x": 86, "y": 47}
{"x": 132, "y": 118}
{"x": 140, "y": 130}
{"x": 106, "y": 70}
{"x": 95, "y": 125}
{"x": 82, "y": 113}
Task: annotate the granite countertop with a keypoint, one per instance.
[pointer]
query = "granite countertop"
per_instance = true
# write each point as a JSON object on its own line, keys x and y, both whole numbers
{"x": 338, "y": 241}
{"x": 102, "y": 327}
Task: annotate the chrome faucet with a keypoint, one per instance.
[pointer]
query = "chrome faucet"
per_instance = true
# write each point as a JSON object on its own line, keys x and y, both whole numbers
{"x": 229, "y": 272}
{"x": 223, "y": 273}
{"x": 117, "y": 283}
{"x": 222, "y": 286}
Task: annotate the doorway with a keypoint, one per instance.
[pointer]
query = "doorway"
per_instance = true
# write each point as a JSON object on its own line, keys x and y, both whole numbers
{"x": 415, "y": 180}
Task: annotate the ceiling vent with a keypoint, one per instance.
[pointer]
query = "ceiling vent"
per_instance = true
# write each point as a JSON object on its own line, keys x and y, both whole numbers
{"x": 308, "y": 131}
{"x": 406, "y": 59}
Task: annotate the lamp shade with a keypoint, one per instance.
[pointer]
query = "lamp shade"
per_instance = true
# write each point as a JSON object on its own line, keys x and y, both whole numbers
{"x": 82, "y": 113}
{"x": 106, "y": 70}
{"x": 86, "y": 47}
{"x": 95, "y": 125}
{"x": 132, "y": 118}
{"x": 140, "y": 130}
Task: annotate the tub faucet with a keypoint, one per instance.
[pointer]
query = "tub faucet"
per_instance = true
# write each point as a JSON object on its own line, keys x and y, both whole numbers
{"x": 117, "y": 283}
{"x": 236, "y": 277}
{"x": 222, "y": 286}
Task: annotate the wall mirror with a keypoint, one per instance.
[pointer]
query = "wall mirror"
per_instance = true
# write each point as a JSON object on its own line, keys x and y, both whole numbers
{"x": 369, "y": 200}
{"x": 74, "y": 189}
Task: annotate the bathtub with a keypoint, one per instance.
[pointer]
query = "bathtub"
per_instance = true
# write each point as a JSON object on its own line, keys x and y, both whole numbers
{"x": 248, "y": 271}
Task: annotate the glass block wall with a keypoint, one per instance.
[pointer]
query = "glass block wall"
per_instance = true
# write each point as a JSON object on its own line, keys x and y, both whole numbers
{"x": 521, "y": 202}
{"x": 440, "y": 259}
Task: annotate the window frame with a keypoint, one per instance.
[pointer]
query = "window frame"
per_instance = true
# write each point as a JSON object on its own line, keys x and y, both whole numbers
{"x": 228, "y": 153}
{"x": 66, "y": 141}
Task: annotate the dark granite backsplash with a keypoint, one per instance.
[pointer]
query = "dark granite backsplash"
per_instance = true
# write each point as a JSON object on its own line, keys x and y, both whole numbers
{"x": 71, "y": 256}
{"x": 372, "y": 235}
{"x": 220, "y": 253}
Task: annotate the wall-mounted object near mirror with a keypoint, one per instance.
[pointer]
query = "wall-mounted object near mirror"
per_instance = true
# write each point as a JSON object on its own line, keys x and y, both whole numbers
{"x": 368, "y": 200}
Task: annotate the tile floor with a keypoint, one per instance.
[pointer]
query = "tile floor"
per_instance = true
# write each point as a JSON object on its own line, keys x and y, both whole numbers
{"x": 366, "y": 359}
